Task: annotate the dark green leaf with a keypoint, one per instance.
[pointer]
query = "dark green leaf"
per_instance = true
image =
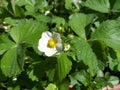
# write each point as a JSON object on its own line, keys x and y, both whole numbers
{"x": 84, "y": 52}
{"x": 5, "y": 44}
{"x": 2, "y": 76}
{"x": 9, "y": 64}
{"x": 37, "y": 70}
{"x": 63, "y": 67}
{"x": 16, "y": 9}
{"x": 64, "y": 85}
{"x": 109, "y": 32}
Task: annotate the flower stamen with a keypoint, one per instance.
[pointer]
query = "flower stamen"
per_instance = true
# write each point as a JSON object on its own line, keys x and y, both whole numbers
{"x": 52, "y": 43}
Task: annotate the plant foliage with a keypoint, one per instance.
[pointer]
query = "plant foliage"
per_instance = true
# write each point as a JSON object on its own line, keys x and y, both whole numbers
{"x": 90, "y": 34}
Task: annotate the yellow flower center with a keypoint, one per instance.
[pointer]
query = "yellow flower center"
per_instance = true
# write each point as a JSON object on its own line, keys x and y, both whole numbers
{"x": 52, "y": 43}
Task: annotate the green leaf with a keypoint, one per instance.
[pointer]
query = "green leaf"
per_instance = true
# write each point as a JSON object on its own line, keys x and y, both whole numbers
{"x": 63, "y": 67}
{"x": 16, "y": 9}
{"x": 116, "y": 6}
{"x": 41, "y": 4}
{"x": 64, "y": 85}
{"x": 50, "y": 74}
{"x": 17, "y": 88}
{"x": 118, "y": 54}
{"x": 113, "y": 63}
{"x": 13, "y": 60}
{"x": 118, "y": 67}
{"x": 109, "y": 32}
{"x": 51, "y": 87}
{"x": 43, "y": 18}
{"x": 101, "y": 81}
{"x": 27, "y": 31}
{"x": 78, "y": 22}
{"x": 5, "y": 43}
{"x": 20, "y": 55}
{"x": 2, "y": 76}
{"x": 32, "y": 76}
{"x": 99, "y": 47}
{"x": 102, "y": 6}
{"x": 113, "y": 80}
{"x": 84, "y": 53}
{"x": 58, "y": 20}
{"x": 80, "y": 77}
{"x": 21, "y": 2}
{"x": 38, "y": 69}
{"x": 11, "y": 21}
{"x": 9, "y": 64}
{"x": 28, "y": 4}
{"x": 68, "y": 4}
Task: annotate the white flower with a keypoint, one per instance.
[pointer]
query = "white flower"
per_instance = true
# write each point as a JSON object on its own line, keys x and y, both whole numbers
{"x": 67, "y": 47}
{"x": 50, "y": 44}
{"x": 47, "y": 12}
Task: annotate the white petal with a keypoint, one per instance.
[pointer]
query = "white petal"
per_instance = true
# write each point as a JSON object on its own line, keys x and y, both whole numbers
{"x": 46, "y": 34}
{"x": 50, "y": 52}
{"x": 57, "y": 36}
{"x": 59, "y": 47}
{"x": 42, "y": 45}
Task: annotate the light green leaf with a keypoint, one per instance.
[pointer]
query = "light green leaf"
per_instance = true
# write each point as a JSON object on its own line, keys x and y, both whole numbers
{"x": 51, "y": 87}
{"x": 9, "y": 64}
{"x": 11, "y": 21}
{"x": 58, "y": 20}
{"x": 21, "y": 2}
{"x": 43, "y": 18}
{"x": 100, "y": 73}
{"x": 80, "y": 77}
{"x": 118, "y": 67}
{"x": 27, "y": 31}
{"x": 116, "y": 6}
{"x": 118, "y": 54}
{"x": 109, "y": 32}
{"x": 41, "y": 4}
{"x": 32, "y": 76}
{"x": 17, "y": 88}
{"x": 84, "y": 53}
{"x": 77, "y": 23}
{"x": 68, "y": 4}
{"x": 98, "y": 5}
{"x": 63, "y": 67}
{"x": 113, "y": 80}
{"x": 14, "y": 88}
{"x": 113, "y": 63}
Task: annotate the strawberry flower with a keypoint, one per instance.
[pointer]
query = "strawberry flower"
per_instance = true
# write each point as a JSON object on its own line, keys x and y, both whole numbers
{"x": 50, "y": 43}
